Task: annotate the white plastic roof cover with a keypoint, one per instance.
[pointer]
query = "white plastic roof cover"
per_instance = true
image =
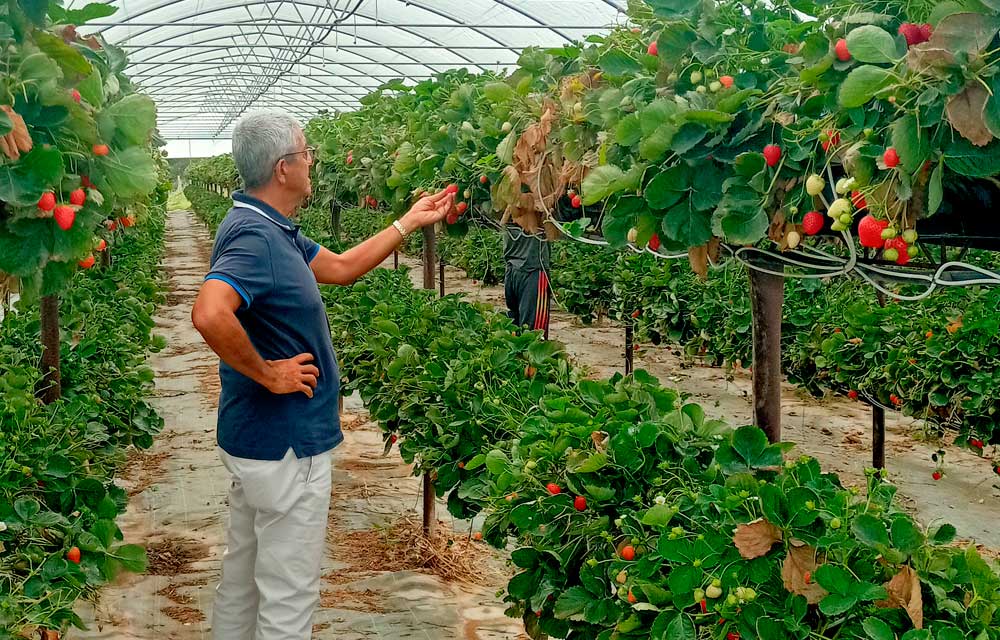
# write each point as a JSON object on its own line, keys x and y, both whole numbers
{"x": 206, "y": 62}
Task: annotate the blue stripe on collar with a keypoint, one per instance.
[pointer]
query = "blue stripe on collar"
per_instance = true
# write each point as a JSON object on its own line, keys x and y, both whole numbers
{"x": 263, "y": 209}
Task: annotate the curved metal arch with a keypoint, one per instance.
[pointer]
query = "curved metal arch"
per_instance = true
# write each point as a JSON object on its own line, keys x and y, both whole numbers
{"x": 413, "y": 3}
{"x": 429, "y": 65}
{"x": 177, "y": 81}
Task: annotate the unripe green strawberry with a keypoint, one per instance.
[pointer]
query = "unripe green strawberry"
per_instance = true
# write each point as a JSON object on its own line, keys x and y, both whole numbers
{"x": 815, "y": 185}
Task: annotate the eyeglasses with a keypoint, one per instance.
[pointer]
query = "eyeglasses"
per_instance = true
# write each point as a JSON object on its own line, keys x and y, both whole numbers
{"x": 309, "y": 151}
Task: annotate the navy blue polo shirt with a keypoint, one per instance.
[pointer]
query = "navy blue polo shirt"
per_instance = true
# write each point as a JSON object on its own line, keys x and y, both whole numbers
{"x": 264, "y": 257}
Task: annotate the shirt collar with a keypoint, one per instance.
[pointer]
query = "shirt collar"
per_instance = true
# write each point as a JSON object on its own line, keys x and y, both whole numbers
{"x": 263, "y": 209}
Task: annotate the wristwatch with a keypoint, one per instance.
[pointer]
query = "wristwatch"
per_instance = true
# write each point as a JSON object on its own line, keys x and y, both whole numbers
{"x": 400, "y": 228}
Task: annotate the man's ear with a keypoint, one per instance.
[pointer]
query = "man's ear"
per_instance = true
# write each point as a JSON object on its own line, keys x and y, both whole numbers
{"x": 280, "y": 171}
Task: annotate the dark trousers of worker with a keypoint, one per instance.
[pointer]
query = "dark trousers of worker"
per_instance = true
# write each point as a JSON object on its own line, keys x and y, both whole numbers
{"x": 528, "y": 296}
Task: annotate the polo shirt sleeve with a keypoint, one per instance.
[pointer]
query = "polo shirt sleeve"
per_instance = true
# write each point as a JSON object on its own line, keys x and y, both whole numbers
{"x": 245, "y": 265}
{"x": 309, "y": 247}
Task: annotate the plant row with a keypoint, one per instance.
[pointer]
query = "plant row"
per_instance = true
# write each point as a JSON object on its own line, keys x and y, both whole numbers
{"x": 631, "y": 513}
{"x": 58, "y": 499}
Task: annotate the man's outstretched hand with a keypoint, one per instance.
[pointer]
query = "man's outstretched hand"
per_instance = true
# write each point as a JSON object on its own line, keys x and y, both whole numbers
{"x": 293, "y": 375}
{"x": 429, "y": 209}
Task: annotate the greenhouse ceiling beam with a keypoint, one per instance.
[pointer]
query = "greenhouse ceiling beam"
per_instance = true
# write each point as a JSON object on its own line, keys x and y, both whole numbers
{"x": 333, "y": 26}
{"x": 305, "y": 90}
{"x": 216, "y": 75}
{"x": 435, "y": 47}
{"x": 410, "y": 25}
{"x": 282, "y": 35}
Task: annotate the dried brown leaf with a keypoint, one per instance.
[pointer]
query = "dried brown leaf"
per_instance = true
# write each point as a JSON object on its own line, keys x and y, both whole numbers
{"x": 22, "y": 139}
{"x": 965, "y": 112}
{"x": 801, "y": 563}
{"x": 904, "y": 593}
{"x": 698, "y": 257}
{"x": 755, "y": 539}
{"x": 714, "y": 250}
{"x": 953, "y": 327}
{"x": 777, "y": 229}
{"x": 925, "y": 57}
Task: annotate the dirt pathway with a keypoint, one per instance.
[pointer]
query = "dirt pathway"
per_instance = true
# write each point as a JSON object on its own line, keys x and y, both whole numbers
{"x": 837, "y": 431}
{"x": 178, "y": 510}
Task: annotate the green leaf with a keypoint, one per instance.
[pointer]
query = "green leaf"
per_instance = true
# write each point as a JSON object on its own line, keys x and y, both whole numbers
{"x": 966, "y": 159}
{"x": 134, "y": 118}
{"x": 39, "y": 68}
{"x": 671, "y": 625}
{"x": 571, "y": 603}
{"x": 54, "y": 568}
{"x": 836, "y": 604}
{"x": 906, "y": 536}
{"x": 600, "y": 183}
{"x": 629, "y": 131}
{"x": 935, "y": 190}
{"x": 834, "y": 579}
{"x": 130, "y": 173}
{"x": 708, "y": 116}
{"x": 911, "y": 143}
{"x": 656, "y": 144}
{"x": 497, "y": 462}
{"x": 23, "y": 182}
{"x": 944, "y": 534}
{"x": 862, "y": 84}
{"x": 873, "y": 44}
{"x": 6, "y": 125}
{"x": 991, "y": 112}
{"x": 668, "y": 187}
{"x": 132, "y": 557}
{"x": 600, "y": 494}
{"x": 657, "y": 114}
{"x": 745, "y": 226}
{"x": 672, "y": 8}
{"x": 72, "y": 62}
{"x": 35, "y": 10}
{"x": 687, "y": 226}
{"x": 870, "y": 531}
{"x": 79, "y": 17}
{"x": 91, "y": 89}
{"x": 24, "y": 255}
{"x": 497, "y": 91}
{"x": 658, "y": 516}
{"x": 590, "y": 464}
{"x": 616, "y": 62}
{"x": 26, "y": 508}
{"x": 877, "y": 629}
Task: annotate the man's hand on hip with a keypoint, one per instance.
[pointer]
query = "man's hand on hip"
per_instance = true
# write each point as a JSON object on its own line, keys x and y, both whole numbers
{"x": 293, "y": 375}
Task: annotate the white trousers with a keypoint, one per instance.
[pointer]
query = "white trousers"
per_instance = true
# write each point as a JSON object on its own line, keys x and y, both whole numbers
{"x": 277, "y": 530}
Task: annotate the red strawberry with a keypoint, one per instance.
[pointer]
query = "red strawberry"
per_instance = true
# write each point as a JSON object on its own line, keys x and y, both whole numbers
{"x": 580, "y": 503}
{"x": 87, "y": 262}
{"x": 852, "y": 394}
{"x": 890, "y": 158}
{"x": 937, "y": 475}
{"x": 636, "y": 313}
{"x": 808, "y": 577}
{"x": 102, "y": 245}
{"x": 996, "y": 469}
{"x": 842, "y": 52}
{"x": 85, "y": 181}
{"x": 858, "y": 200}
{"x": 870, "y": 232}
{"x": 977, "y": 443}
{"x": 112, "y": 225}
{"x": 896, "y": 400}
{"x": 73, "y": 555}
{"x": 733, "y": 635}
{"x": 452, "y": 188}
{"x": 47, "y": 202}
{"x": 101, "y": 150}
{"x": 452, "y": 218}
{"x": 78, "y": 197}
{"x": 64, "y": 216}
{"x": 901, "y": 248}
{"x": 461, "y": 207}
{"x": 832, "y": 140}
{"x": 393, "y": 438}
{"x": 813, "y": 223}
{"x": 576, "y": 201}
{"x": 727, "y": 81}
{"x": 483, "y": 179}
{"x": 915, "y": 33}
{"x": 653, "y": 49}
{"x": 631, "y": 597}
{"x": 704, "y": 606}
{"x": 772, "y": 154}
{"x": 75, "y": 95}
{"x": 553, "y": 488}
{"x": 628, "y": 553}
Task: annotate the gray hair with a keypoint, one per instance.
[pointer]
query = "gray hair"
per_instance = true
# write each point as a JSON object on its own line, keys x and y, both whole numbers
{"x": 259, "y": 140}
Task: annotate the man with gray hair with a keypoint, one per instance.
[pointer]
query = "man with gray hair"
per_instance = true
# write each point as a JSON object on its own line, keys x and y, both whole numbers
{"x": 260, "y": 310}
